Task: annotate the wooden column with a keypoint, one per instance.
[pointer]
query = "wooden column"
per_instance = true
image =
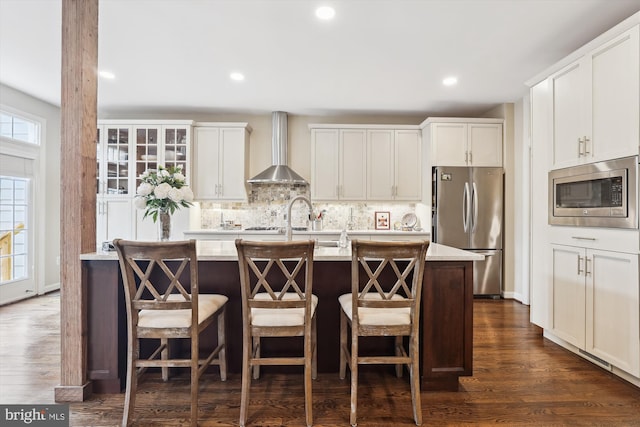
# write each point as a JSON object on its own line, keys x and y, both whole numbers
{"x": 78, "y": 187}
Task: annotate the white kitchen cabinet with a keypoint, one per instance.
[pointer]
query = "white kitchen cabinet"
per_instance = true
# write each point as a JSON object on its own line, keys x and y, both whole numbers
{"x": 114, "y": 219}
{"x": 596, "y": 104}
{"x": 541, "y": 123}
{"x": 596, "y": 303}
{"x": 126, "y": 149}
{"x": 338, "y": 164}
{"x": 221, "y": 161}
{"x": 465, "y": 142}
{"x": 114, "y": 173}
{"x": 394, "y": 169}
{"x": 161, "y": 144}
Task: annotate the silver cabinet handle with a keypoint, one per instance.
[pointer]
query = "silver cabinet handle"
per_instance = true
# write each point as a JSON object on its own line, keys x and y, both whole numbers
{"x": 586, "y": 145}
{"x": 580, "y": 271}
{"x": 586, "y": 266}
{"x": 580, "y": 142}
{"x": 466, "y": 157}
{"x": 584, "y": 238}
{"x": 470, "y": 157}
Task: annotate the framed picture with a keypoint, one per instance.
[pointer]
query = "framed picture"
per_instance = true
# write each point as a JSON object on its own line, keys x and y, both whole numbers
{"x": 382, "y": 221}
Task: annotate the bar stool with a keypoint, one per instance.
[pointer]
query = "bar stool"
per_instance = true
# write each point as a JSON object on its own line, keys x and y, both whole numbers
{"x": 386, "y": 286}
{"x": 163, "y": 302}
{"x": 277, "y": 301}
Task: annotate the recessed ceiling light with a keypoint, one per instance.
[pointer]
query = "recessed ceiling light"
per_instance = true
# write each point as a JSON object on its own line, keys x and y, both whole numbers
{"x": 325, "y": 12}
{"x": 107, "y": 75}
{"x": 236, "y": 76}
{"x": 450, "y": 81}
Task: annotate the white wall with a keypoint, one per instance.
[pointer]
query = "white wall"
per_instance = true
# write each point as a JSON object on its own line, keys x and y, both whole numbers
{"x": 48, "y": 270}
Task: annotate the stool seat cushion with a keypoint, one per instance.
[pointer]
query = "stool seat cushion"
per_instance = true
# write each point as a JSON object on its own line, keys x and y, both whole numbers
{"x": 280, "y": 316}
{"x": 376, "y": 316}
{"x": 207, "y": 305}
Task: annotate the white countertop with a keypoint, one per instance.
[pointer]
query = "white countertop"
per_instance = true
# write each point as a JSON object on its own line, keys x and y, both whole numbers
{"x": 215, "y": 232}
{"x": 225, "y": 250}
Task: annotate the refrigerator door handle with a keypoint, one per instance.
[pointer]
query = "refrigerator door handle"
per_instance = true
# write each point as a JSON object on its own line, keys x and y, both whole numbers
{"x": 474, "y": 193}
{"x": 465, "y": 207}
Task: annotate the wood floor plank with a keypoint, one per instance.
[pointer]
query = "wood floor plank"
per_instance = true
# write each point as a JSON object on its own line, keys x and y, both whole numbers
{"x": 520, "y": 379}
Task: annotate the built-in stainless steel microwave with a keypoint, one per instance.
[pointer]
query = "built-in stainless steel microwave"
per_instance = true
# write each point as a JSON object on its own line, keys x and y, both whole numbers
{"x": 601, "y": 194}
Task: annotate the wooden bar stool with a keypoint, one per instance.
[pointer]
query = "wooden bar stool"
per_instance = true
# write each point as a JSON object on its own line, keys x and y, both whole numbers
{"x": 386, "y": 286}
{"x": 163, "y": 302}
{"x": 277, "y": 301}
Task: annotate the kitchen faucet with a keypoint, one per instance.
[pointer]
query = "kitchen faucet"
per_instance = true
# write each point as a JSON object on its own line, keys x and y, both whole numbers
{"x": 304, "y": 199}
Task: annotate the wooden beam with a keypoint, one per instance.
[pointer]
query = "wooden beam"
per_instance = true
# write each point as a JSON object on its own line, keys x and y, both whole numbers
{"x": 78, "y": 191}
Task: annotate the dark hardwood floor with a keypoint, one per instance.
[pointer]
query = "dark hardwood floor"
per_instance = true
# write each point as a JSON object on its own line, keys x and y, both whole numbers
{"x": 519, "y": 379}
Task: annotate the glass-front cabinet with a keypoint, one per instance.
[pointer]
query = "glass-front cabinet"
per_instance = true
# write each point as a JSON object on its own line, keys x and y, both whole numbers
{"x": 113, "y": 160}
{"x": 125, "y": 150}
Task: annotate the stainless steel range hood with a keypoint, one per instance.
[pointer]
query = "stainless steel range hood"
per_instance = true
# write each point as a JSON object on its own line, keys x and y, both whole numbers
{"x": 278, "y": 172}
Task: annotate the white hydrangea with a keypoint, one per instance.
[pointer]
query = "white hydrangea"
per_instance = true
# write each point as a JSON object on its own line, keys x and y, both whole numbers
{"x": 175, "y": 194}
{"x": 178, "y": 177}
{"x": 162, "y": 190}
{"x": 187, "y": 194}
{"x": 140, "y": 203}
{"x": 144, "y": 189}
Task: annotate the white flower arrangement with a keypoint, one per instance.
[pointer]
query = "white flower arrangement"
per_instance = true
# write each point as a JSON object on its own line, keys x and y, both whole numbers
{"x": 163, "y": 190}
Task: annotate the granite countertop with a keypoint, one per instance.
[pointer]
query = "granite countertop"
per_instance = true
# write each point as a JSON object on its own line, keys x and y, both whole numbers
{"x": 211, "y": 250}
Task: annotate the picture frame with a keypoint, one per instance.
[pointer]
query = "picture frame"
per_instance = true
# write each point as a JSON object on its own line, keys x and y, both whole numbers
{"x": 382, "y": 220}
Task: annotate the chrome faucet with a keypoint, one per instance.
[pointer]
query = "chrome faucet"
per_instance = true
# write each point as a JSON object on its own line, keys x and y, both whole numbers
{"x": 304, "y": 199}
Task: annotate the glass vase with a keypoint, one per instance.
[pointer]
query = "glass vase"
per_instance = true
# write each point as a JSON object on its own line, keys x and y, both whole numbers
{"x": 164, "y": 229}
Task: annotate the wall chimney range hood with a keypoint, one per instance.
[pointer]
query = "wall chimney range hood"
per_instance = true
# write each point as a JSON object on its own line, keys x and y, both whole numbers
{"x": 278, "y": 172}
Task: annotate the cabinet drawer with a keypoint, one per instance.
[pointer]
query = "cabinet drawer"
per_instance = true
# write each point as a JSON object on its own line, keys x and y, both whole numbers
{"x": 618, "y": 240}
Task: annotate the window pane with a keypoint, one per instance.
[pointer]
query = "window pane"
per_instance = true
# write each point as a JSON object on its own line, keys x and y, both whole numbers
{"x": 16, "y": 127}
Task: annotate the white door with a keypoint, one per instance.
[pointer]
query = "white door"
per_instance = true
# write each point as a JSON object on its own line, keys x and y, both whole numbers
{"x": 17, "y": 279}
{"x": 449, "y": 144}
{"x": 353, "y": 171}
{"x": 613, "y": 318}
{"x": 408, "y": 165}
{"x": 568, "y": 115}
{"x": 233, "y": 179}
{"x": 325, "y": 146}
{"x": 568, "y": 264}
{"x": 380, "y": 162}
{"x": 485, "y": 144}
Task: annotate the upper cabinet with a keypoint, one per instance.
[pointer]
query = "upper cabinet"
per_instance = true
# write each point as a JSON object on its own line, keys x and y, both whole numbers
{"x": 465, "y": 142}
{"x": 113, "y": 160}
{"x": 394, "y": 164}
{"x": 365, "y": 162}
{"x": 221, "y": 161}
{"x": 338, "y": 164}
{"x": 596, "y": 104}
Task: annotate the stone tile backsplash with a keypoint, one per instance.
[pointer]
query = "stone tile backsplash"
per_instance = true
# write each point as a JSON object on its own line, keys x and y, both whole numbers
{"x": 267, "y": 205}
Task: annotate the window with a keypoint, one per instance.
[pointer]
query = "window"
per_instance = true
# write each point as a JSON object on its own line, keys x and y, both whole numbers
{"x": 19, "y": 128}
{"x": 14, "y": 228}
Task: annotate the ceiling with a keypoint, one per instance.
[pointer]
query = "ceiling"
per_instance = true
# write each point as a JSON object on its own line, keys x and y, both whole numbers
{"x": 375, "y": 57}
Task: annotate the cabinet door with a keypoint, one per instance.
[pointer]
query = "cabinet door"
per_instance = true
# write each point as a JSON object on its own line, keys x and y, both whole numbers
{"x": 353, "y": 171}
{"x": 114, "y": 161}
{"x": 408, "y": 165}
{"x": 380, "y": 164}
{"x": 325, "y": 146}
{"x": 612, "y": 309}
{"x": 113, "y": 219}
{"x": 568, "y": 284}
{"x": 484, "y": 144}
{"x": 449, "y": 144}
{"x": 175, "y": 148}
{"x": 615, "y": 97}
{"x": 232, "y": 166}
{"x": 147, "y": 149}
{"x": 206, "y": 160}
{"x": 568, "y": 115}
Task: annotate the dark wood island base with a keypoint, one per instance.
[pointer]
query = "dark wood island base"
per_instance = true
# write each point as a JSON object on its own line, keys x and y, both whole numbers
{"x": 447, "y": 318}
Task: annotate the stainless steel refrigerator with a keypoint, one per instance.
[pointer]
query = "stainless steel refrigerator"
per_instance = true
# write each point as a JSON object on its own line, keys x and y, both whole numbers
{"x": 468, "y": 210}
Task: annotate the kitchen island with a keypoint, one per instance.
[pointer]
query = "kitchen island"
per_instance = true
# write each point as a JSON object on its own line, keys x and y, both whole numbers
{"x": 447, "y": 312}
